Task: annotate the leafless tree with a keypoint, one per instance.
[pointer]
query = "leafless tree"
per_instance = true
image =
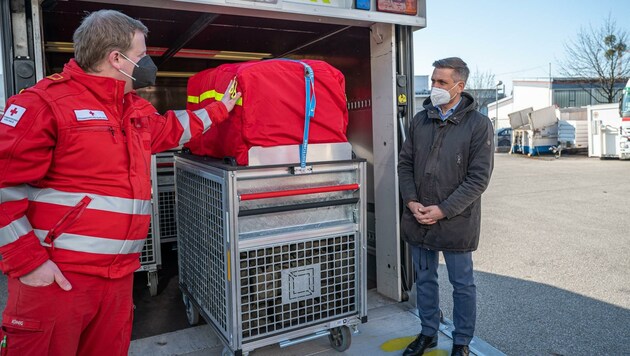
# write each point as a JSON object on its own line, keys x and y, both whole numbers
{"x": 599, "y": 58}
{"x": 482, "y": 86}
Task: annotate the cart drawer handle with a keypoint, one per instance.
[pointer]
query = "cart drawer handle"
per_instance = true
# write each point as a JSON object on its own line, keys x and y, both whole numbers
{"x": 295, "y": 207}
{"x": 291, "y": 192}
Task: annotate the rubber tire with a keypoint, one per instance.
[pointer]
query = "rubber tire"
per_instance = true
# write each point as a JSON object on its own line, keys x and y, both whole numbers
{"x": 340, "y": 338}
{"x": 152, "y": 278}
{"x": 192, "y": 314}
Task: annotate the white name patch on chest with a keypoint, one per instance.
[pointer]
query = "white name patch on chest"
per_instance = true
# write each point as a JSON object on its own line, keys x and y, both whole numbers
{"x": 85, "y": 115}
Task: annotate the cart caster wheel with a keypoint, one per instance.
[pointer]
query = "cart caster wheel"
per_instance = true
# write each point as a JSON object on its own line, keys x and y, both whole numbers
{"x": 340, "y": 338}
{"x": 152, "y": 278}
{"x": 191, "y": 311}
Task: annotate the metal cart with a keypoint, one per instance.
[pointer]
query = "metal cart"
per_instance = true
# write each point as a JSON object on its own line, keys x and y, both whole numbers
{"x": 272, "y": 253}
{"x": 151, "y": 256}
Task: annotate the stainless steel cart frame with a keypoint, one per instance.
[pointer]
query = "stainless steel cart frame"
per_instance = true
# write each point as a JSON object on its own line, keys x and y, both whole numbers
{"x": 267, "y": 255}
{"x": 151, "y": 255}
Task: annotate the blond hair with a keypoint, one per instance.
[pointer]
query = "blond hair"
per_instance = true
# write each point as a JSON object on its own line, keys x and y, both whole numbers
{"x": 100, "y": 33}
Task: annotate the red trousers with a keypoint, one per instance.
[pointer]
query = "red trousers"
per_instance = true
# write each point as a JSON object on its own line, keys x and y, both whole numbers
{"x": 94, "y": 318}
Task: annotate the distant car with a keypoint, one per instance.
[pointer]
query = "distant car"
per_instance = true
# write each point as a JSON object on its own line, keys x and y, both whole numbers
{"x": 503, "y": 137}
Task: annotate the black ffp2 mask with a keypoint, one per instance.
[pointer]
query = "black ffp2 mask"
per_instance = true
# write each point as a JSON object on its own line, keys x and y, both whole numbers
{"x": 144, "y": 72}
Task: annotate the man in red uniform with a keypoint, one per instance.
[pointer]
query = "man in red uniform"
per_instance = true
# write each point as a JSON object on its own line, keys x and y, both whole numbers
{"x": 75, "y": 191}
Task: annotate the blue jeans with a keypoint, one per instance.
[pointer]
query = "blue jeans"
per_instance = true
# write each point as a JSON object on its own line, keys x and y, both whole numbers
{"x": 460, "y": 274}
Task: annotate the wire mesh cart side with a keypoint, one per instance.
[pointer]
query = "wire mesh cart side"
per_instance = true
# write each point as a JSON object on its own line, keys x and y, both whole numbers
{"x": 165, "y": 178}
{"x": 151, "y": 256}
{"x": 270, "y": 256}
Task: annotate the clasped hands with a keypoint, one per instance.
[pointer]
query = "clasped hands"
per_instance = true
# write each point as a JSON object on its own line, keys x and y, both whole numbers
{"x": 425, "y": 215}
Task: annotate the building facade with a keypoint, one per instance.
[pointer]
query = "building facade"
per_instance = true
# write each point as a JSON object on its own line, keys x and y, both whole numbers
{"x": 541, "y": 93}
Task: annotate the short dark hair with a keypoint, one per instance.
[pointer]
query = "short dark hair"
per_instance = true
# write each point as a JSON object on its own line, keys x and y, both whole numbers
{"x": 101, "y": 32}
{"x": 461, "y": 70}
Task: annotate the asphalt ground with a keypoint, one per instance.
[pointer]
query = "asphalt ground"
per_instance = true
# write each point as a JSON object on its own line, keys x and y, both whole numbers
{"x": 553, "y": 265}
{"x": 552, "y": 269}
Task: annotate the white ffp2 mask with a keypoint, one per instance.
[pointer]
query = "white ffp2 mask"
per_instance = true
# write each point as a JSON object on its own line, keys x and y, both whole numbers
{"x": 441, "y": 96}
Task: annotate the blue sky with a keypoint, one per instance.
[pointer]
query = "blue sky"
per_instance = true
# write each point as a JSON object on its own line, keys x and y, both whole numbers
{"x": 511, "y": 39}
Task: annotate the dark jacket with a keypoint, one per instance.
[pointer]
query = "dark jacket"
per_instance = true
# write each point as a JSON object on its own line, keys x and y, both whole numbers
{"x": 448, "y": 164}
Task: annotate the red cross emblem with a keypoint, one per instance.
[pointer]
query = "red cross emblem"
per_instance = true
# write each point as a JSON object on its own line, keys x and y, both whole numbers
{"x": 13, "y": 112}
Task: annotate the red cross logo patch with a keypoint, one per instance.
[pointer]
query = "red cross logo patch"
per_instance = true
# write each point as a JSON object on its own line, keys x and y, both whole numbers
{"x": 12, "y": 115}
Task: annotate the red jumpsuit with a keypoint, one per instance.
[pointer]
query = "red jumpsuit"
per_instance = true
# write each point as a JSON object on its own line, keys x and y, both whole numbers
{"x": 75, "y": 188}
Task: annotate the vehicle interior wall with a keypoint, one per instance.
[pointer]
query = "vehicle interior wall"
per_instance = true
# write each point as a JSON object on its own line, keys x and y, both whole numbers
{"x": 207, "y": 41}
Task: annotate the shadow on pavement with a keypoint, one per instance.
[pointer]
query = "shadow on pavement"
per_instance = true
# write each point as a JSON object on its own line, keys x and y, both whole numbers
{"x": 521, "y": 317}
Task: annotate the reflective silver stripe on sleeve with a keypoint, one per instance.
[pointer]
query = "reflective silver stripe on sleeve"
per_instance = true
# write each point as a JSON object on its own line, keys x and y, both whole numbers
{"x": 15, "y": 230}
{"x": 41, "y": 235}
{"x": 99, "y": 202}
{"x": 205, "y": 118}
{"x": 13, "y": 193}
{"x": 90, "y": 244}
{"x": 184, "y": 120}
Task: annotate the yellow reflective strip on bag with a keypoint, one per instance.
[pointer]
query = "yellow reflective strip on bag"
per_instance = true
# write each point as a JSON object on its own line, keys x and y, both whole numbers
{"x": 193, "y": 99}
{"x": 208, "y": 95}
{"x": 213, "y": 94}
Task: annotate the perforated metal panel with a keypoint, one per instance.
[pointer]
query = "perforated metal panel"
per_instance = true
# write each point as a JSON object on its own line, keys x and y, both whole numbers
{"x": 292, "y": 285}
{"x": 201, "y": 247}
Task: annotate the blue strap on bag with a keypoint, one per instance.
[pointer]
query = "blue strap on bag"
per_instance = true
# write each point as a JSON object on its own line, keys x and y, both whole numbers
{"x": 309, "y": 111}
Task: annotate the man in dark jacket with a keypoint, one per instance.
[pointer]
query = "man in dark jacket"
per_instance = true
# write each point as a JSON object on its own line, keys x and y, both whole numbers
{"x": 444, "y": 166}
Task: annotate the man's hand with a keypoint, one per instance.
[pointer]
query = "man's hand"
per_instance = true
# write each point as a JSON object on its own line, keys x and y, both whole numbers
{"x": 45, "y": 275}
{"x": 428, "y": 215}
{"x": 227, "y": 99}
{"x": 417, "y": 210}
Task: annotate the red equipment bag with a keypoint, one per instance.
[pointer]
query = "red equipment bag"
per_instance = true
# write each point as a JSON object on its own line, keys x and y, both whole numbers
{"x": 274, "y": 106}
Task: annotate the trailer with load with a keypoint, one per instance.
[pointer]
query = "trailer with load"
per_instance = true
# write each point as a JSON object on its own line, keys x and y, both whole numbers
{"x": 534, "y": 132}
{"x": 549, "y": 130}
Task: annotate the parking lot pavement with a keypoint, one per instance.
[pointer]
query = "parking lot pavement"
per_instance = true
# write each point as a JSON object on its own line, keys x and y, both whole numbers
{"x": 552, "y": 265}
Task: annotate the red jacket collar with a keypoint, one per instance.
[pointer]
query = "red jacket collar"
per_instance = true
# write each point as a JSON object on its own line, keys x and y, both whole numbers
{"x": 105, "y": 88}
